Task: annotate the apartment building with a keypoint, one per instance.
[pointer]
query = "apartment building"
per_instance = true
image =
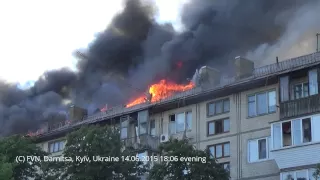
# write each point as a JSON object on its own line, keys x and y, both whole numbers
{"x": 261, "y": 123}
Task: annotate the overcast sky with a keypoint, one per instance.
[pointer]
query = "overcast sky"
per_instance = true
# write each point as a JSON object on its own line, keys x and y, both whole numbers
{"x": 38, "y": 35}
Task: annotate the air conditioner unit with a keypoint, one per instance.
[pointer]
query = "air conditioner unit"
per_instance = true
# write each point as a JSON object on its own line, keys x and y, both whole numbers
{"x": 164, "y": 138}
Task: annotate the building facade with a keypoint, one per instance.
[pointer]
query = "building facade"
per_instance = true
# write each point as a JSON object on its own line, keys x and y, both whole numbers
{"x": 261, "y": 124}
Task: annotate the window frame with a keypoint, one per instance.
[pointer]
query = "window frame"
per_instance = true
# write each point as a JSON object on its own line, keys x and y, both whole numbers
{"x": 214, "y": 121}
{"x": 54, "y": 142}
{"x": 302, "y": 83}
{"x": 228, "y": 163}
{"x": 124, "y": 120}
{"x": 295, "y": 173}
{"x": 292, "y": 137}
{"x": 268, "y": 148}
{"x": 256, "y": 104}
{"x": 152, "y": 128}
{"x": 175, "y": 120}
{"x": 215, "y": 102}
{"x": 215, "y": 150}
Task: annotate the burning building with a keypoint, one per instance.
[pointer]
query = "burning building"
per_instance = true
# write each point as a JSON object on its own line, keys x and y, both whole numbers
{"x": 158, "y": 82}
{"x": 243, "y": 113}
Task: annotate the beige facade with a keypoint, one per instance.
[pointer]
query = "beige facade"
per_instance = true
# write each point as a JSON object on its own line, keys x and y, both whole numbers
{"x": 238, "y": 127}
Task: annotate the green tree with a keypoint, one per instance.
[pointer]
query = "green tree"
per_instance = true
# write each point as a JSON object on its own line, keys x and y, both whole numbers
{"x": 93, "y": 141}
{"x": 6, "y": 168}
{"x": 205, "y": 169}
{"x": 316, "y": 174}
{"x": 10, "y": 148}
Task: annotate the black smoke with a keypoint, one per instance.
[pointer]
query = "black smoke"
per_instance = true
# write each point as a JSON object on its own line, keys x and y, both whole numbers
{"x": 135, "y": 51}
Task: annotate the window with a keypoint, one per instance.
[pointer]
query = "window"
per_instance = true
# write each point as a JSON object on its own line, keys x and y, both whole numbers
{"x": 226, "y": 166}
{"x": 306, "y": 174}
{"x": 218, "y": 126}
{"x": 258, "y": 149}
{"x": 313, "y": 81}
{"x": 143, "y": 157}
{"x": 152, "y": 127}
{"x": 56, "y": 146}
{"x": 220, "y": 150}
{"x": 124, "y": 127}
{"x": 295, "y": 132}
{"x": 218, "y": 107}
{"x": 180, "y": 122}
{"x": 301, "y": 90}
{"x": 142, "y": 120}
{"x": 261, "y": 103}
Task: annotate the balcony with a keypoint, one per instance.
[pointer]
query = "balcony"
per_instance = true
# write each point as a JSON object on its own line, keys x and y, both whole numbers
{"x": 297, "y": 156}
{"x": 299, "y": 107}
{"x": 143, "y": 142}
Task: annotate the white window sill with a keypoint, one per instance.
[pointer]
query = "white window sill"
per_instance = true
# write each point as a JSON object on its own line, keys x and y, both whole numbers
{"x": 260, "y": 160}
{"x": 296, "y": 146}
{"x": 178, "y": 133}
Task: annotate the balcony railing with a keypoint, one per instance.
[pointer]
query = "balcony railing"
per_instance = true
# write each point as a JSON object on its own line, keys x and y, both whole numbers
{"x": 299, "y": 107}
{"x": 145, "y": 141}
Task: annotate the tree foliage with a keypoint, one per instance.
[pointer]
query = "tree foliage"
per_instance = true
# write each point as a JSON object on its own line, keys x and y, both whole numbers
{"x": 316, "y": 174}
{"x": 176, "y": 169}
{"x": 92, "y": 141}
{"x": 10, "y": 148}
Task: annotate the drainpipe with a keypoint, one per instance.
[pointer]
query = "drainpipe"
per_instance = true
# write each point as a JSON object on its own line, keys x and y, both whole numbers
{"x": 318, "y": 34}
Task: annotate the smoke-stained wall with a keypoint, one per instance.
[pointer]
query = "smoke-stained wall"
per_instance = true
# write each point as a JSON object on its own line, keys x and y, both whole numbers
{"x": 135, "y": 51}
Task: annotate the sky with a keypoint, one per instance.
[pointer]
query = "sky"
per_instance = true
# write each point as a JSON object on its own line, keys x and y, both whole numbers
{"x": 38, "y": 35}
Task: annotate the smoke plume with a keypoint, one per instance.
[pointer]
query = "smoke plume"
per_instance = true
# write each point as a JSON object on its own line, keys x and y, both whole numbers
{"x": 135, "y": 51}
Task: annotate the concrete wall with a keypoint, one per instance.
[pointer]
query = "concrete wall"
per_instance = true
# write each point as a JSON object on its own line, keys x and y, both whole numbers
{"x": 242, "y": 129}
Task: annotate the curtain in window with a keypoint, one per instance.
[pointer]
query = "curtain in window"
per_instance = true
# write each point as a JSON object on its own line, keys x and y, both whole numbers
{"x": 251, "y": 106}
{"x": 272, "y": 101}
{"x": 253, "y": 151}
{"x": 172, "y": 127}
{"x": 226, "y": 125}
{"x": 142, "y": 119}
{"x": 226, "y": 149}
{"x": 315, "y": 128}
{"x": 262, "y": 103}
{"x": 301, "y": 175}
{"x": 297, "y": 132}
{"x": 180, "y": 122}
{"x": 284, "y": 88}
{"x": 262, "y": 146}
{"x": 124, "y": 133}
{"x": 313, "y": 81}
{"x": 189, "y": 120}
{"x": 142, "y": 116}
{"x": 153, "y": 127}
{"x": 211, "y": 128}
{"x": 212, "y": 151}
{"x": 218, "y": 151}
{"x": 276, "y": 136}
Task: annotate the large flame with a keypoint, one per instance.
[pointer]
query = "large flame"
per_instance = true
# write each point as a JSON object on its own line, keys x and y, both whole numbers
{"x": 161, "y": 90}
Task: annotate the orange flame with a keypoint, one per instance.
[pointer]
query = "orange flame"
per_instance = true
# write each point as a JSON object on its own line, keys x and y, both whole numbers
{"x": 161, "y": 90}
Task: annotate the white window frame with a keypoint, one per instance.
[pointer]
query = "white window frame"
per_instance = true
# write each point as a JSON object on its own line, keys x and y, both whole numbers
{"x": 152, "y": 131}
{"x": 295, "y": 173}
{"x": 185, "y": 123}
{"x": 292, "y": 137}
{"x": 303, "y": 85}
{"x": 56, "y": 142}
{"x": 256, "y": 104}
{"x": 215, "y": 123}
{"x": 268, "y": 140}
{"x": 122, "y": 120}
{"x": 145, "y": 123}
{"x": 215, "y": 107}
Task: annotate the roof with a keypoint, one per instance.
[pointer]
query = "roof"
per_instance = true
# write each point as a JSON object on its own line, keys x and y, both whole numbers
{"x": 263, "y": 72}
